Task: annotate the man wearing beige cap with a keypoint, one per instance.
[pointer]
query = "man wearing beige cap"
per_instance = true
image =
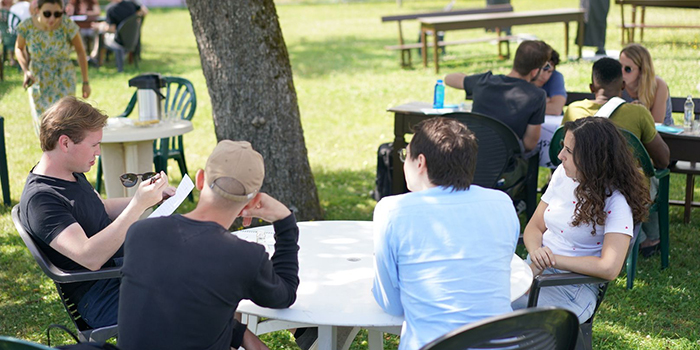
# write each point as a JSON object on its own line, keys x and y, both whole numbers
{"x": 184, "y": 275}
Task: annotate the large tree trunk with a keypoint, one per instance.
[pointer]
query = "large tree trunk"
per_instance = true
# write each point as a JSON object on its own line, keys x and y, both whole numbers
{"x": 246, "y": 65}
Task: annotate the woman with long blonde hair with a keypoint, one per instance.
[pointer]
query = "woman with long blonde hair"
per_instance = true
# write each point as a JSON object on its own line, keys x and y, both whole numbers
{"x": 642, "y": 85}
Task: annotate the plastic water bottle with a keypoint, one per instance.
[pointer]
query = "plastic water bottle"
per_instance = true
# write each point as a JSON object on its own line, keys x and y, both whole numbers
{"x": 439, "y": 94}
{"x": 688, "y": 113}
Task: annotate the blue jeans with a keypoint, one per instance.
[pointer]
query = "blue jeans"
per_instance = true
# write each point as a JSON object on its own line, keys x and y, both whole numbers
{"x": 100, "y": 304}
{"x": 577, "y": 298}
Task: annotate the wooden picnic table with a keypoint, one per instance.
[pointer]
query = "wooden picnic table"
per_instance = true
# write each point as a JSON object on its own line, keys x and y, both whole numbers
{"x": 446, "y": 23}
{"x": 629, "y": 28}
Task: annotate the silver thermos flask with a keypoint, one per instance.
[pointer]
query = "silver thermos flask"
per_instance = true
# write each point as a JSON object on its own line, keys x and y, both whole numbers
{"x": 149, "y": 97}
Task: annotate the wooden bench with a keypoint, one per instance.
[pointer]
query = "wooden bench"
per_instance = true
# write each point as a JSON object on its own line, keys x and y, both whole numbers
{"x": 406, "y": 48}
{"x": 497, "y": 20}
{"x": 628, "y": 28}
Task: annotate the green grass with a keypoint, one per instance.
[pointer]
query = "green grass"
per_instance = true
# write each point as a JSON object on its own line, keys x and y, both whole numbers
{"x": 345, "y": 81}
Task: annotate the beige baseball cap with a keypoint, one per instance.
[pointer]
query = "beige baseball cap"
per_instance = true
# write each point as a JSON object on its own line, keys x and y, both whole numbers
{"x": 235, "y": 170}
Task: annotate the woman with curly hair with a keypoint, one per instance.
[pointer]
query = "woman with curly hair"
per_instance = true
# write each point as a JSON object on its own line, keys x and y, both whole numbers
{"x": 586, "y": 218}
{"x": 642, "y": 85}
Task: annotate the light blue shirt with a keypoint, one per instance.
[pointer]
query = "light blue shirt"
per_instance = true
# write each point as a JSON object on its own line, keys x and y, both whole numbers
{"x": 442, "y": 259}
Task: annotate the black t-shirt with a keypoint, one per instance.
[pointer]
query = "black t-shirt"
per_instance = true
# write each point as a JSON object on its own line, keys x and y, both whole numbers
{"x": 182, "y": 281}
{"x": 49, "y": 205}
{"x": 118, "y": 12}
{"x": 513, "y": 101}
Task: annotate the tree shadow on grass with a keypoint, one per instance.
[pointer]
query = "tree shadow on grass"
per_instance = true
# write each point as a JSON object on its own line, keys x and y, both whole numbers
{"x": 345, "y": 194}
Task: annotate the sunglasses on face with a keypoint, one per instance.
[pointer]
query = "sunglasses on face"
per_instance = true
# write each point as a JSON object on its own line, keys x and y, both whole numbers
{"x": 548, "y": 67}
{"x": 627, "y": 69}
{"x": 56, "y": 14}
{"x": 131, "y": 179}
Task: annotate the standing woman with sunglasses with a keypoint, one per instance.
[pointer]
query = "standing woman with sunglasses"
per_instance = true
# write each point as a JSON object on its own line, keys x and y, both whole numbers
{"x": 642, "y": 85}
{"x": 49, "y": 37}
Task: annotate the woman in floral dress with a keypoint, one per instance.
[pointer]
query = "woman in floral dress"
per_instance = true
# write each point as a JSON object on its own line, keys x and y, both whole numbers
{"x": 49, "y": 36}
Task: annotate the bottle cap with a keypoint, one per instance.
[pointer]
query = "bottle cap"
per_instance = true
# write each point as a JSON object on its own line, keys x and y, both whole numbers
{"x": 439, "y": 81}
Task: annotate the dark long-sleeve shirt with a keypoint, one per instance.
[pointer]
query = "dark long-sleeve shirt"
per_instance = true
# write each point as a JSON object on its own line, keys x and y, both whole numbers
{"x": 182, "y": 281}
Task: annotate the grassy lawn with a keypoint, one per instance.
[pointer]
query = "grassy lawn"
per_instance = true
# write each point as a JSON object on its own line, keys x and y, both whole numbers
{"x": 345, "y": 81}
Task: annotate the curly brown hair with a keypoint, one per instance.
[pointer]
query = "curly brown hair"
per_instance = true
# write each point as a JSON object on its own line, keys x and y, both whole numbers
{"x": 605, "y": 164}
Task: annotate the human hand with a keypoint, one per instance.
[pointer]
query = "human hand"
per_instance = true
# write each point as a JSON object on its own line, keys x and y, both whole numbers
{"x": 265, "y": 207}
{"x": 168, "y": 192}
{"x": 542, "y": 258}
{"x": 86, "y": 90}
{"x": 535, "y": 270}
{"x": 28, "y": 79}
{"x": 151, "y": 191}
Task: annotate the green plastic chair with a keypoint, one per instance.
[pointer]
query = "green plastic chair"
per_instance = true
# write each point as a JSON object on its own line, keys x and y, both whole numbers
{"x": 499, "y": 146}
{"x": 658, "y": 207}
{"x": 4, "y": 176}
{"x": 180, "y": 98}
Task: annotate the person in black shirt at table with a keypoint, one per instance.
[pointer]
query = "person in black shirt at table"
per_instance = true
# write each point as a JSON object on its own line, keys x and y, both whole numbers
{"x": 184, "y": 275}
{"x": 70, "y": 223}
{"x": 116, "y": 12}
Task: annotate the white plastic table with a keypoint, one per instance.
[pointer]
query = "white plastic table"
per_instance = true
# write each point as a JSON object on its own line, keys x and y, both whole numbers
{"x": 336, "y": 273}
{"x": 129, "y": 149}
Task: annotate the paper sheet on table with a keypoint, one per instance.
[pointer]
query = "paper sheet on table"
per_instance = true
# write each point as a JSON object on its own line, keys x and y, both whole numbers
{"x": 169, "y": 205}
{"x": 668, "y": 129}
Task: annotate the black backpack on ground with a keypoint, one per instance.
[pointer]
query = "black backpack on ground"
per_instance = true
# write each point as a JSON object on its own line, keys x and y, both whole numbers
{"x": 385, "y": 172}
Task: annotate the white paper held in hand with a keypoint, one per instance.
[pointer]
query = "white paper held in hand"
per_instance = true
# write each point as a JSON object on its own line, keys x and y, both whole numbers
{"x": 169, "y": 205}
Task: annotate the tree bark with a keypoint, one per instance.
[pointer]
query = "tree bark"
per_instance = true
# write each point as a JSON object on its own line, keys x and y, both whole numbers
{"x": 249, "y": 78}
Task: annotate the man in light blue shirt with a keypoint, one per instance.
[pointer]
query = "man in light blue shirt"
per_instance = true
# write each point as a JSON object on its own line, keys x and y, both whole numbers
{"x": 443, "y": 251}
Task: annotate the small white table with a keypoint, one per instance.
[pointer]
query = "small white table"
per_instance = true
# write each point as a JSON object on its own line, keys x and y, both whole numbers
{"x": 336, "y": 272}
{"x": 129, "y": 149}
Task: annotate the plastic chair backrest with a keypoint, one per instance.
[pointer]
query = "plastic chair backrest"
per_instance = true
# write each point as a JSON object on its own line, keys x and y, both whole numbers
{"x": 498, "y": 145}
{"x": 60, "y": 276}
{"x": 128, "y": 32}
{"x": 9, "y": 343}
{"x": 639, "y": 152}
{"x": 637, "y": 149}
{"x": 180, "y": 97}
{"x": 532, "y": 328}
{"x": 555, "y": 145}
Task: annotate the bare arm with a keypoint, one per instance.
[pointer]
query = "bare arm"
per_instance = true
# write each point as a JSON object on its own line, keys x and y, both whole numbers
{"x": 455, "y": 80}
{"x": 95, "y": 10}
{"x": 532, "y": 136}
{"x": 23, "y": 59}
{"x": 555, "y": 105}
{"x": 659, "y": 152}
{"x": 607, "y": 266}
{"x": 540, "y": 256}
{"x": 82, "y": 61}
{"x": 658, "y": 109}
{"x": 94, "y": 251}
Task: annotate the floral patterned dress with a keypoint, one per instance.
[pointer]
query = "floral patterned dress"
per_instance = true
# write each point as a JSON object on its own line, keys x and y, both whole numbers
{"x": 50, "y": 63}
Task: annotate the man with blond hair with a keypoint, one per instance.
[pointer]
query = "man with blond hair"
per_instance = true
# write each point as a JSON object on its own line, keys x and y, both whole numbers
{"x": 70, "y": 222}
{"x": 184, "y": 275}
